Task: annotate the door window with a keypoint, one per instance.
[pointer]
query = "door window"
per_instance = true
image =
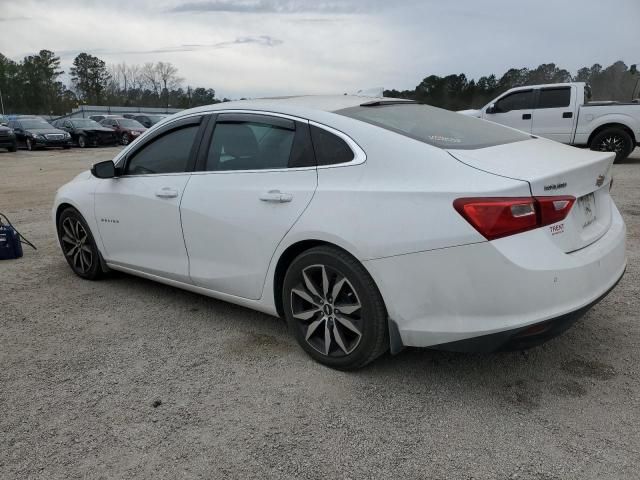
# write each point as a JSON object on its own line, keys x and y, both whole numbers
{"x": 250, "y": 145}
{"x": 515, "y": 101}
{"x": 169, "y": 153}
{"x": 554, "y": 97}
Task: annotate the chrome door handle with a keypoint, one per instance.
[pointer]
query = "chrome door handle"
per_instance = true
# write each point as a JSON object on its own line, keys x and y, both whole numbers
{"x": 167, "y": 192}
{"x": 276, "y": 196}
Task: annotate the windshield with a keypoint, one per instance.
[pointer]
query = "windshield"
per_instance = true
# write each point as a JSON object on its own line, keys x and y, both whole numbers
{"x": 155, "y": 118}
{"x": 435, "y": 126}
{"x": 35, "y": 123}
{"x": 128, "y": 123}
{"x": 85, "y": 123}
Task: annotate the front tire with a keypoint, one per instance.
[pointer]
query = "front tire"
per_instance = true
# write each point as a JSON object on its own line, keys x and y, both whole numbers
{"x": 78, "y": 245}
{"x": 613, "y": 140}
{"x": 125, "y": 139}
{"x": 82, "y": 141}
{"x": 29, "y": 144}
{"x": 334, "y": 309}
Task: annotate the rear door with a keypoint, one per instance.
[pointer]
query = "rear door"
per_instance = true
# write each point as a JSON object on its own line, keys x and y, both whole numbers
{"x": 256, "y": 176}
{"x": 513, "y": 110}
{"x": 554, "y": 114}
{"x": 138, "y": 212}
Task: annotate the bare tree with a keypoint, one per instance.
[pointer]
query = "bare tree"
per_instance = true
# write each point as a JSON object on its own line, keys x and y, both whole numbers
{"x": 169, "y": 77}
{"x": 135, "y": 76}
{"x": 122, "y": 71}
{"x": 149, "y": 74}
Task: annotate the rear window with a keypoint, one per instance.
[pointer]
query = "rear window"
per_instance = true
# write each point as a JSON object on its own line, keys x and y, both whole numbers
{"x": 554, "y": 97}
{"x": 435, "y": 126}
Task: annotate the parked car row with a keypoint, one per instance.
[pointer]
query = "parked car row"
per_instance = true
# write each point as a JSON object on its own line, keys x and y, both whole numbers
{"x": 31, "y": 132}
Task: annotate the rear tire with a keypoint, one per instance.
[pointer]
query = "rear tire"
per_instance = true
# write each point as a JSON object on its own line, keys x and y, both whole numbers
{"x": 13, "y": 148}
{"x": 334, "y": 309}
{"x": 78, "y": 245}
{"x": 614, "y": 140}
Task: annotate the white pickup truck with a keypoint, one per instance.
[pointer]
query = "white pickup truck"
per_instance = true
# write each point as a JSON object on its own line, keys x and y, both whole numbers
{"x": 563, "y": 113}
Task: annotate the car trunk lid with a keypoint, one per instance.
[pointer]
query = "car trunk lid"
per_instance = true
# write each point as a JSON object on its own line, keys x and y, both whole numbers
{"x": 553, "y": 169}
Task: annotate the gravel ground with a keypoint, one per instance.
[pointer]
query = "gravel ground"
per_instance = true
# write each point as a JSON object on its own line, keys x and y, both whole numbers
{"x": 125, "y": 378}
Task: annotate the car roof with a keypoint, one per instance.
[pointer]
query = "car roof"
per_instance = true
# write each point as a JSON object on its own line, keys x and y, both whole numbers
{"x": 549, "y": 85}
{"x": 309, "y": 106}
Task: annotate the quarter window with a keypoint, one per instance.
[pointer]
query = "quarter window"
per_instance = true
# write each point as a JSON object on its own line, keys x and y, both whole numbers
{"x": 554, "y": 97}
{"x": 250, "y": 146}
{"x": 169, "y": 153}
{"x": 515, "y": 101}
{"x": 330, "y": 149}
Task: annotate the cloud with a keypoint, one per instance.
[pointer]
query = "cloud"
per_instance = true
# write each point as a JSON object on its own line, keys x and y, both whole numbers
{"x": 260, "y": 40}
{"x": 270, "y": 6}
{"x": 16, "y": 18}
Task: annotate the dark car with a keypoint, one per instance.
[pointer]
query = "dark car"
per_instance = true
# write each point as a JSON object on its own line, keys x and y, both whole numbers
{"x": 34, "y": 132}
{"x": 149, "y": 120}
{"x": 8, "y": 139}
{"x": 86, "y": 132}
{"x": 99, "y": 118}
{"x": 126, "y": 128}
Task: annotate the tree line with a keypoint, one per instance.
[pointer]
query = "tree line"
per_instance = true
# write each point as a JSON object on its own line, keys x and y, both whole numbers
{"x": 33, "y": 85}
{"x": 457, "y": 92}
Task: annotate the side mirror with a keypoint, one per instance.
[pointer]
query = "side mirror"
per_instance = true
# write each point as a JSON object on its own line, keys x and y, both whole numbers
{"x": 105, "y": 169}
{"x": 491, "y": 109}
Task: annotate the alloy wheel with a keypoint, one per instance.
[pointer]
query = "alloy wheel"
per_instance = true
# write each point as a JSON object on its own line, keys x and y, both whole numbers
{"x": 125, "y": 139}
{"x": 29, "y": 144}
{"x": 76, "y": 245}
{"x": 82, "y": 141}
{"x": 612, "y": 143}
{"x": 328, "y": 311}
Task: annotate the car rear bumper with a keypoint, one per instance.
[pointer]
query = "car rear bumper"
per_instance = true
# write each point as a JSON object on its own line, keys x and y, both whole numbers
{"x": 522, "y": 337}
{"x": 502, "y": 287}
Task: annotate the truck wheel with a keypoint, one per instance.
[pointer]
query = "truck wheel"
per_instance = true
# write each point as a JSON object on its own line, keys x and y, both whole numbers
{"x": 613, "y": 140}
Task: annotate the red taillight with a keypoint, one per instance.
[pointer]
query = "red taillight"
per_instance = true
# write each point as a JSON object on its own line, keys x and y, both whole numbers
{"x": 499, "y": 217}
{"x": 554, "y": 209}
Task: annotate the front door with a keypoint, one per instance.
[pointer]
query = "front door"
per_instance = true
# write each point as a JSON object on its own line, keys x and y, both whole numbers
{"x": 256, "y": 179}
{"x": 513, "y": 110}
{"x": 138, "y": 213}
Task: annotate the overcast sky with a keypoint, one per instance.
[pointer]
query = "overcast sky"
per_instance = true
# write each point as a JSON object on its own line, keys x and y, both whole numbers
{"x": 249, "y": 48}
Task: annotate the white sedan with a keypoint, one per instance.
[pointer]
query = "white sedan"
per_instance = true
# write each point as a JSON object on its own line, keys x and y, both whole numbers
{"x": 369, "y": 224}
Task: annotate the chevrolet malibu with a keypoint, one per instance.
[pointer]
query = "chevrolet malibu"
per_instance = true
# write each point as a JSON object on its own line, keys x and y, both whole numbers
{"x": 368, "y": 224}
